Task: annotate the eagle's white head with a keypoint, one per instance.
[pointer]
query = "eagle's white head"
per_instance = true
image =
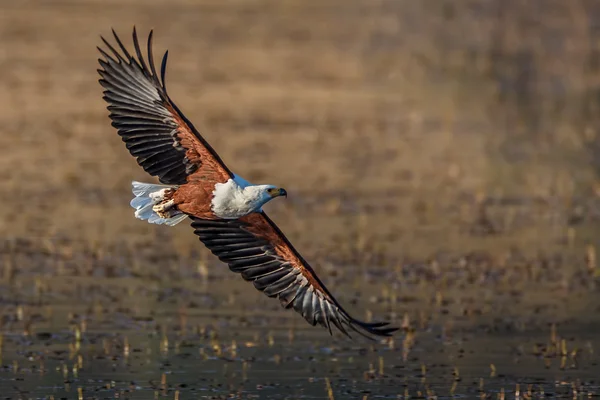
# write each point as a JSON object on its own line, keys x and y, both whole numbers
{"x": 260, "y": 194}
{"x": 237, "y": 198}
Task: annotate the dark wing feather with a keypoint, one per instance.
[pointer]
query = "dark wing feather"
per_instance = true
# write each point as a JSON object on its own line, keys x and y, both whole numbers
{"x": 163, "y": 140}
{"x": 255, "y": 247}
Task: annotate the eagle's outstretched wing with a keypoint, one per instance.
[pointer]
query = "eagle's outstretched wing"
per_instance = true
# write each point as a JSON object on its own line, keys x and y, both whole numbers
{"x": 255, "y": 247}
{"x": 163, "y": 140}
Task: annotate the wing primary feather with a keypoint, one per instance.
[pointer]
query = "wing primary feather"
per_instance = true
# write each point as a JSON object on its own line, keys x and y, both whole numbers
{"x": 105, "y": 54}
{"x": 258, "y": 270}
{"x": 245, "y": 261}
{"x": 115, "y": 52}
{"x": 309, "y": 305}
{"x": 122, "y": 47}
{"x": 230, "y": 247}
{"x": 307, "y": 310}
{"x": 138, "y": 52}
{"x": 242, "y": 254}
{"x": 336, "y": 321}
{"x": 253, "y": 272}
{"x": 163, "y": 70}
{"x": 316, "y": 307}
{"x": 372, "y": 324}
{"x": 299, "y": 300}
{"x": 287, "y": 303}
{"x": 376, "y": 328}
{"x": 360, "y": 332}
{"x": 132, "y": 114}
{"x": 265, "y": 280}
{"x": 151, "y": 59}
{"x": 325, "y": 316}
{"x": 257, "y": 275}
{"x": 281, "y": 285}
{"x": 239, "y": 241}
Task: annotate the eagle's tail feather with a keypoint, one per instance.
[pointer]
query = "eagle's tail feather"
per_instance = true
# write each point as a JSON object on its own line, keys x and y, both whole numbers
{"x": 151, "y": 204}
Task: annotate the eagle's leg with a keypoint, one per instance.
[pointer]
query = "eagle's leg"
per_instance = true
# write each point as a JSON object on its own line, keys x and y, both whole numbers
{"x": 165, "y": 209}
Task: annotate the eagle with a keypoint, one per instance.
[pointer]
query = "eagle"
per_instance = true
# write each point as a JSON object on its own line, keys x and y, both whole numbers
{"x": 225, "y": 210}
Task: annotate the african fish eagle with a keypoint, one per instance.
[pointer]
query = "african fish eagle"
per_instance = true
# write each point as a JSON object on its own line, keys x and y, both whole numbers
{"x": 225, "y": 210}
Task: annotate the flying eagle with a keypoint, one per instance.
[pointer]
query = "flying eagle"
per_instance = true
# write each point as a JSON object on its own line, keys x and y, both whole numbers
{"x": 226, "y": 210}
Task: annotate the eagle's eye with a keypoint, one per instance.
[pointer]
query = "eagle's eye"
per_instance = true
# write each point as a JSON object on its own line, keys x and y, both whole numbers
{"x": 273, "y": 191}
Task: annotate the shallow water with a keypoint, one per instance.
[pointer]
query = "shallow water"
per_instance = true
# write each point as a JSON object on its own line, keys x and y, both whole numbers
{"x": 97, "y": 328}
{"x": 250, "y": 363}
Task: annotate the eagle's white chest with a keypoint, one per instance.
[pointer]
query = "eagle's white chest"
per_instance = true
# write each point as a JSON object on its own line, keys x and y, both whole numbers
{"x": 237, "y": 198}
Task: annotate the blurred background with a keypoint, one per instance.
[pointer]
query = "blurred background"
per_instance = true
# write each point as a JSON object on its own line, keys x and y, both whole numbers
{"x": 422, "y": 138}
{"x": 422, "y": 126}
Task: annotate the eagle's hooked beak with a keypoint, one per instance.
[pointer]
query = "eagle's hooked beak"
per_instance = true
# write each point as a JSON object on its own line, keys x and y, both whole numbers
{"x": 276, "y": 192}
